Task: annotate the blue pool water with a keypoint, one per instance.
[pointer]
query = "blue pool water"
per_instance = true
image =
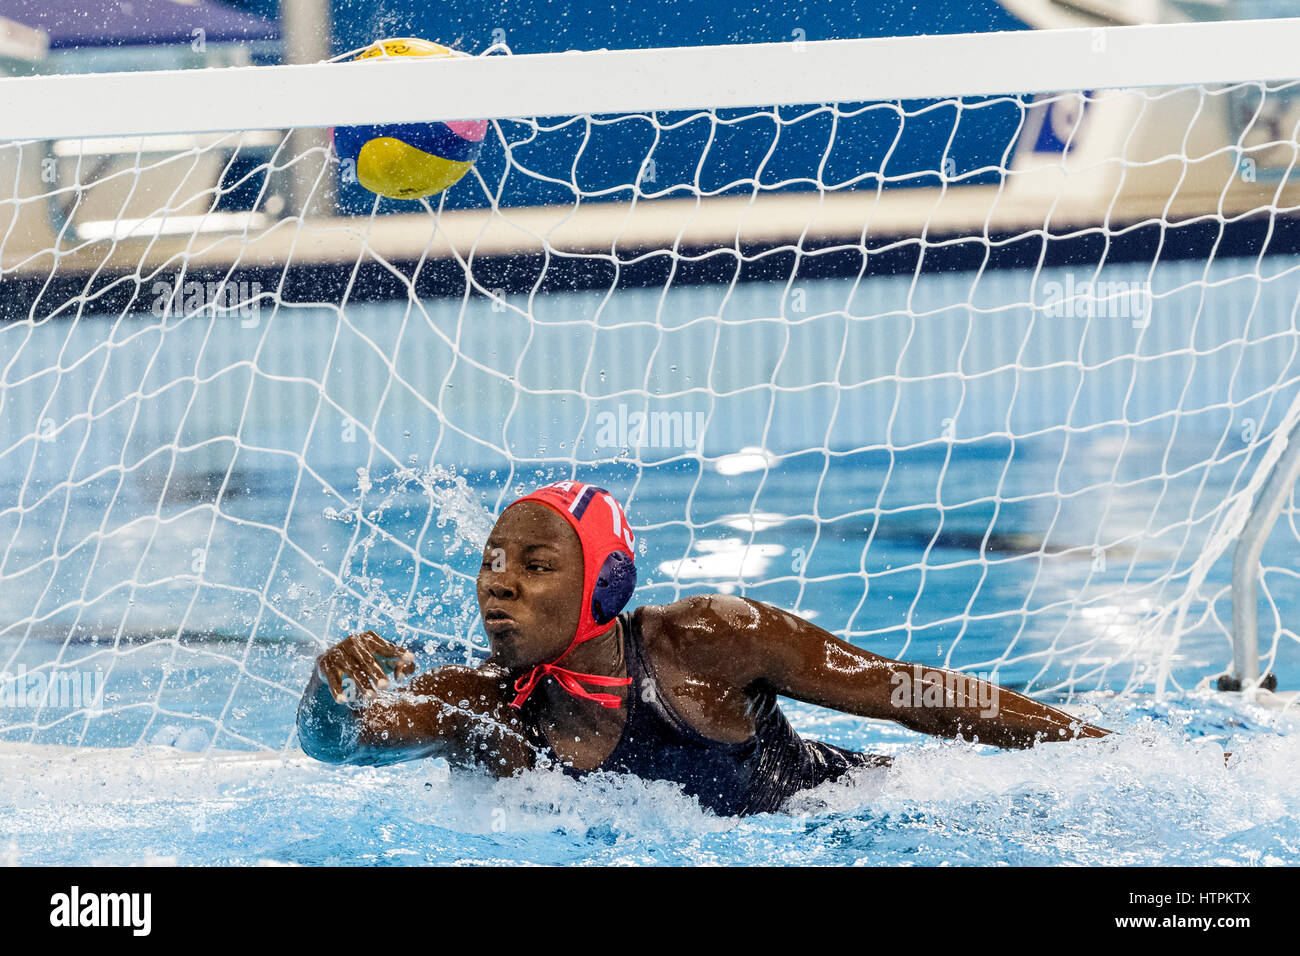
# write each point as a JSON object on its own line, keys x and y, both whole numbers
{"x": 237, "y": 499}
{"x": 185, "y": 782}
{"x": 1158, "y": 794}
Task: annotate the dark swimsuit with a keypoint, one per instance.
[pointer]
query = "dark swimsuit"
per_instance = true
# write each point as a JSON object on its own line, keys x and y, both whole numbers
{"x": 753, "y": 776}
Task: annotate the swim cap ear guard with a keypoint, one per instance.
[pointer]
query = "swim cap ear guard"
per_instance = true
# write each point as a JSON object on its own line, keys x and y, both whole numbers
{"x": 608, "y": 578}
{"x": 614, "y": 586}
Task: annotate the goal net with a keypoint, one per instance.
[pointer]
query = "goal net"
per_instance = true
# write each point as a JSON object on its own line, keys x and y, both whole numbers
{"x": 980, "y": 368}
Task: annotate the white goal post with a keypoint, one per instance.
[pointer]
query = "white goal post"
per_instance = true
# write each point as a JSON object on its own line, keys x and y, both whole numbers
{"x": 972, "y": 349}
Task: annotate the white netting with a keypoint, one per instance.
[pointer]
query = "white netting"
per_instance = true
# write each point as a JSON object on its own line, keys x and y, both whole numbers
{"x": 1009, "y": 420}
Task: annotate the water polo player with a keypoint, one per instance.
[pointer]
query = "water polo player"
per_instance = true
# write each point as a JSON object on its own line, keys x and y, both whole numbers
{"x": 685, "y": 692}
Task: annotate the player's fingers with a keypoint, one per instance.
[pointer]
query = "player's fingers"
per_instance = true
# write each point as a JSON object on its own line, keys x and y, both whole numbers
{"x": 397, "y": 665}
{"x": 359, "y": 667}
{"x": 372, "y": 640}
{"x": 346, "y": 665}
{"x": 383, "y": 648}
{"x": 382, "y": 670}
{"x": 329, "y": 673}
{"x": 397, "y": 662}
{"x": 388, "y": 667}
{"x": 405, "y": 666}
{"x": 366, "y": 671}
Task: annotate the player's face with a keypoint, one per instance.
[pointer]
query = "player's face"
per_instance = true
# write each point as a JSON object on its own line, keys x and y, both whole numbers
{"x": 530, "y": 586}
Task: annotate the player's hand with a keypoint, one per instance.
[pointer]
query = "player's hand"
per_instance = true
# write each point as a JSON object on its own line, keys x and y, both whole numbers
{"x": 362, "y": 665}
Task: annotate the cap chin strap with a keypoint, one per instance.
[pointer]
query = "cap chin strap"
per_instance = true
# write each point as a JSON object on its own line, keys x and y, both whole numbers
{"x": 571, "y": 681}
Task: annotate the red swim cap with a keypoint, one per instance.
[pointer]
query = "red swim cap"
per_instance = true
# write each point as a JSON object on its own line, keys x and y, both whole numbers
{"x": 608, "y": 579}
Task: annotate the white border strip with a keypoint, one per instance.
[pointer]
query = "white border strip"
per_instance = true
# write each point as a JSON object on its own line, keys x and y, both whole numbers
{"x": 571, "y": 84}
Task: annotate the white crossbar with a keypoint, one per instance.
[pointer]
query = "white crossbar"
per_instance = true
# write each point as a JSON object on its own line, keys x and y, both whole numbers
{"x": 596, "y": 82}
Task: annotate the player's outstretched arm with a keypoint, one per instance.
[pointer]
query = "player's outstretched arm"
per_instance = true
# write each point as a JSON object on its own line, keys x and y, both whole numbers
{"x": 458, "y": 713}
{"x": 763, "y": 644}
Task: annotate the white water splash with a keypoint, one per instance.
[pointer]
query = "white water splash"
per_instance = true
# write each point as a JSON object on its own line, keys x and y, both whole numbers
{"x": 453, "y": 524}
{"x": 1149, "y": 795}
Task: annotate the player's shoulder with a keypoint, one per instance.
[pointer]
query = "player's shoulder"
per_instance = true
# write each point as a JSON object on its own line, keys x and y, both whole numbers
{"x": 717, "y": 635}
{"x": 701, "y": 619}
{"x": 704, "y": 610}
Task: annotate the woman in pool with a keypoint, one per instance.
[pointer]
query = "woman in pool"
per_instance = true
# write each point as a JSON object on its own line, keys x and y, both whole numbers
{"x": 684, "y": 692}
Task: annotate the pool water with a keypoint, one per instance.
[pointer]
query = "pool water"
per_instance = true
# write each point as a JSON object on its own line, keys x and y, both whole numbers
{"x": 193, "y": 759}
{"x": 1157, "y": 794}
{"x": 955, "y": 482}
